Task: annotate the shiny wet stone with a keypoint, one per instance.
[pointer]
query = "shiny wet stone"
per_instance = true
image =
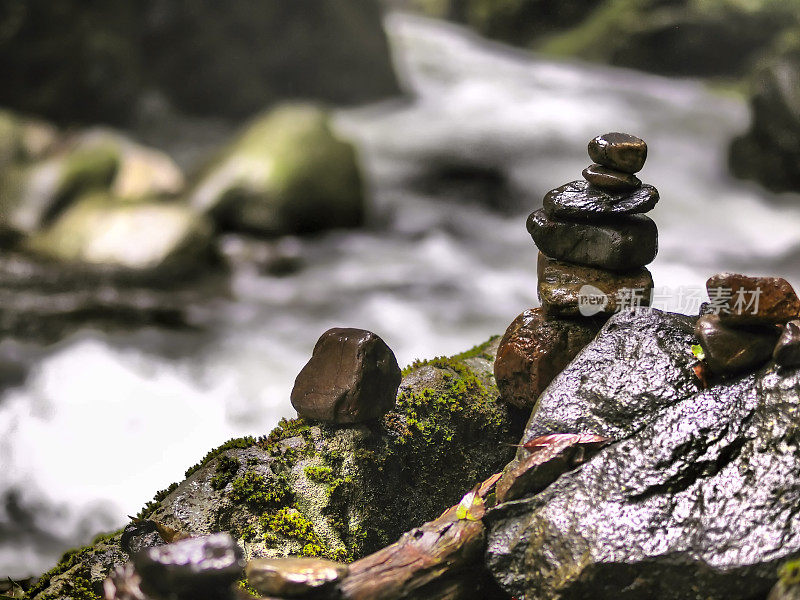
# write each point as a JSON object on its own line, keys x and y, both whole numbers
{"x": 734, "y": 349}
{"x": 564, "y": 288}
{"x": 787, "y": 350}
{"x": 352, "y": 377}
{"x": 536, "y": 348}
{"x": 293, "y": 577}
{"x": 620, "y": 151}
{"x": 624, "y": 244}
{"x": 201, "y": 567}
{"x": 610, "y": 179}
{"x": 579, "y": 200}
{"x": 741, "y": 299}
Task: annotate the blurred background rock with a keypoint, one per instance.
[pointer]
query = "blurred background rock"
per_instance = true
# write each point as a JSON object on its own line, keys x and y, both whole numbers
{"x": 191, "y": 192}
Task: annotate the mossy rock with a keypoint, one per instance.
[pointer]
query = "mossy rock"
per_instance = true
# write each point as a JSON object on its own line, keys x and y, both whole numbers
{"x": 287, "y": 172}
{"x": 340, "y": 492}
{"x": 101, "y": 233}
{"x": 31, "y": 195}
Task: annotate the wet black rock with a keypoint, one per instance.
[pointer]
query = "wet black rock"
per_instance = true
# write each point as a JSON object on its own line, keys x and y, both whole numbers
{"x": 624, "y": 244}
{"x": 620, "y": 151}
{"x": 579, "y": 200}
{"x": 352, "y": 377}
{"x": 787, "y": 350}
{"x": 640, "y": 361}
{"x": 696, "y": 498}
{"x": 610, "y": 179}
{"x": 734, "y": 349}
{"x": 201, "y": 567}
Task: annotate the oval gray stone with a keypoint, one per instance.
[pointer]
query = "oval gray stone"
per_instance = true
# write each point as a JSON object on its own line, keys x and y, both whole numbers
{"x": 624, "y": 244}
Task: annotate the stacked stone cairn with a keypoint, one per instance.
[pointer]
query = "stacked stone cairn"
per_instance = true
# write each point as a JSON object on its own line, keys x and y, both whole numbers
{"x": 594, "y": 243}
{"x": 749, "y": 320}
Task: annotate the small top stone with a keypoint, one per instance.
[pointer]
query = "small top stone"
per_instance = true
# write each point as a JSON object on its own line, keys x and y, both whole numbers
{"x": 352, "y": 377}
{"x": 620, "y": 151}
{"x": 201, "y": 567}
{"x": 744, "y": 300}
{"x": 579, "y": 200}
{"x": 293, "y": 577}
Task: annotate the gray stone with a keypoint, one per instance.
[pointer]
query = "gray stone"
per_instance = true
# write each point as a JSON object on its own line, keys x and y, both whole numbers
{"x": 580, "y": 200}
{"x": 620, "y": 151}
{"x": 696, "y": 498}
{"x": 623, "y": 244}
{"x": 352, "y": 377}
{"x": 192, "y": 568}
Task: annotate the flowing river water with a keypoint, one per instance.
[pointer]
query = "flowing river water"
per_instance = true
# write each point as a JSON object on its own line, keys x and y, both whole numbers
{"x": 103, "y": 420}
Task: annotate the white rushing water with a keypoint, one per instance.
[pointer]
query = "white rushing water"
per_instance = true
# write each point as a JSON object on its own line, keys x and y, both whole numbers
{"x": 103, "y": 421}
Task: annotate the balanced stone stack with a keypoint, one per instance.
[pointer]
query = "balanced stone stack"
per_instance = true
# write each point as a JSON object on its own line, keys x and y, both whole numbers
{"x": 749, "y": 320}
{"x": 593, "y": 239}
{"x": 594, "y": 242}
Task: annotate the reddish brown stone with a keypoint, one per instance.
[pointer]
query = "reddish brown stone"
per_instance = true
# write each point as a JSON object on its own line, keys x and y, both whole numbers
{"x": 739, "y": 299}
{"x": 352, "y": 377}
{"x": 536, "y": 348}
{"x": 734, "y": 349}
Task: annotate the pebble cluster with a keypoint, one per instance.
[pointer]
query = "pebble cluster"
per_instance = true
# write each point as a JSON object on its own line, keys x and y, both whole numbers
{"x": 593, "y": 237}
{"x": 749, "y": 320}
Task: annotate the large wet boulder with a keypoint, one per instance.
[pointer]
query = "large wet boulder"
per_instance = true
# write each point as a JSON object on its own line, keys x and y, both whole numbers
{"x": 107, "y": 235}
{"x": 70, "y": 60}
{"x": 769, "y": 151}
{"x": 695, "y": 496}
{"x": 317, "y": 490}
{"x": 288, "y": 172}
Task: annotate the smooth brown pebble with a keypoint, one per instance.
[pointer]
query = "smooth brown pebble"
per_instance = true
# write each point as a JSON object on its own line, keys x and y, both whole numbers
{"x": 620, "y": 151}
{"x": 293, "y": 577}
{"x": 611, "y": 180}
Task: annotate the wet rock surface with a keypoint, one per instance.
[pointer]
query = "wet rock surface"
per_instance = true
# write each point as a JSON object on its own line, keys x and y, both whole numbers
{"x": 579, "y": 200}
{"x": 640, "y": 361}
{"x": 745, "y": 300}
{"x": 534, "y": 349}
{"x": 696, "y": 498}
{"x": 561, "y": 285}
{"x": 352, "y": 377}
{"x": 610, "y": 179}
{"x": 734, "y": 349}
{"x": 197, "y": 567}
{"x": 624, "y": 244}
{"x": 330, "y": 491}
{"x": 293, "y": 577}
{"x": 620, "y": 151}
{"x": 787, "y": 350}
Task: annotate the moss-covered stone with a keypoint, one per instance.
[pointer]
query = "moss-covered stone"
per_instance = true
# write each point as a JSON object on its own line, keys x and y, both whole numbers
{"x": 341, "y": 493}
{"x": 287, "y": 172}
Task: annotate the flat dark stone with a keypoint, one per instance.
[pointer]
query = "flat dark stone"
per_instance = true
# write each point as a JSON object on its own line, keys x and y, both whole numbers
{"x": 564, "y": 288}
{"x": 623, "y": 244}
{"x": 534, "y": 349}
{"x": 293, "y": 577}
{"x": 579, "y": 200}
{"x": 620, "y": 151}
{"x": 352, "y": 377}
{"x": 695, "y": 498}
{"x": 202, "y": 567}
{"x": 610, "y": 180}
{"x": 734, "y": 349}
{"x": 787, "y": 350}
{"x": 744, "y": 300}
